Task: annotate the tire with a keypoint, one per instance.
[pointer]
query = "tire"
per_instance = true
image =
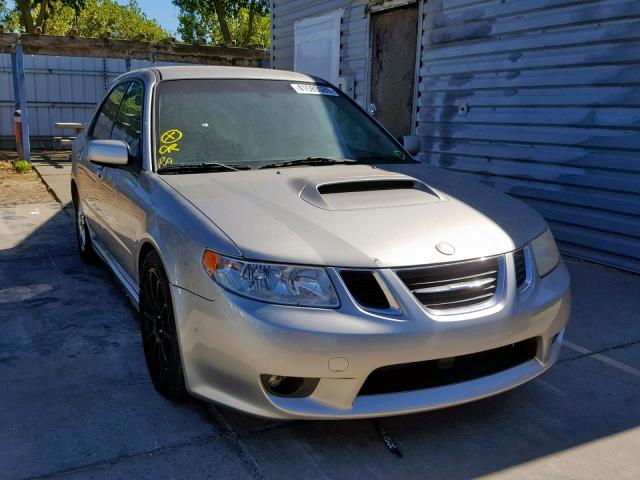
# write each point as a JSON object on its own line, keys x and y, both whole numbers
{"x": 158, "y": 330}
{"x": 85, "y": 246}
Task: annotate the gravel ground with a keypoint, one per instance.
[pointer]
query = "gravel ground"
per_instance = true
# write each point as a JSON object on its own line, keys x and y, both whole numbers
{"x": 19, "y": 188}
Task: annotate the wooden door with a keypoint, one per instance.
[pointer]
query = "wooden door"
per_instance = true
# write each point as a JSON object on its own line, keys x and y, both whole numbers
{"x": 394, "y": 39}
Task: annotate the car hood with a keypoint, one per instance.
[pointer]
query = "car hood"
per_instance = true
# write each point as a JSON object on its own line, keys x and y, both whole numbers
{"x": 359, "y": 215}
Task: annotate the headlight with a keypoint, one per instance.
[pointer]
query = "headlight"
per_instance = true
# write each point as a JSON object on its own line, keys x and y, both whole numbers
{"x": 268, "y": 282}
{"x": 545, "y": 253}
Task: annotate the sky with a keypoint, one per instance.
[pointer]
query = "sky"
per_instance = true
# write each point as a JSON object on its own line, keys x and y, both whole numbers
{"x": 162, "y": 10}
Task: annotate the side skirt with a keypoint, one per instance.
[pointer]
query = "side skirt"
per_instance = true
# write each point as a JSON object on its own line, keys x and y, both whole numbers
{"x": 123, "y": 278}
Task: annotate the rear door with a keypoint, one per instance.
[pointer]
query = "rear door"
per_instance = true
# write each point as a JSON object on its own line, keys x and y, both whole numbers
{"x": 394, "y": 41}
{"x": 90, "y": 175}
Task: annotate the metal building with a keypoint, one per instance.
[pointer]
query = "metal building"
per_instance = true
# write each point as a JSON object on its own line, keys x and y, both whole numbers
{"x": 538, "y": 98}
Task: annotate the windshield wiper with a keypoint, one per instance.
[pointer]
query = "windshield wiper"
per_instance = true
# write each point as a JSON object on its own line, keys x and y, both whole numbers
{"x": 306, "y": 161}
{"x": 201, "y": 167}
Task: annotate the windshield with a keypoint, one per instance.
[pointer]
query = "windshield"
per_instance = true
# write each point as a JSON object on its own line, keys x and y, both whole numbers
{"x": 253, "y": 123}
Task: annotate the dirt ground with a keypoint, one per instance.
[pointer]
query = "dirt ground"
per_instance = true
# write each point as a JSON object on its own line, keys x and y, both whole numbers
{"x": 18, "y": 188}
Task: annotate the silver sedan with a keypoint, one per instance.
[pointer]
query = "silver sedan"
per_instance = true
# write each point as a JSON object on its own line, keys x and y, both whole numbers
{"x": 291, "y": 259}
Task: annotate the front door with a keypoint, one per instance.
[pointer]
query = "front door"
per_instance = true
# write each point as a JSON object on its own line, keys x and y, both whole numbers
{"x": 393, "y": 64}
{"x": 90, "y": 175}
{"x": 124, "y": 218}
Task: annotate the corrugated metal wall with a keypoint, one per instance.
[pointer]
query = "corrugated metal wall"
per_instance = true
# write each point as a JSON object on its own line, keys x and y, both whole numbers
{"x": 59, "y": 89}
{"x": 354, "y": 45}
{"x": 552, "y": 90}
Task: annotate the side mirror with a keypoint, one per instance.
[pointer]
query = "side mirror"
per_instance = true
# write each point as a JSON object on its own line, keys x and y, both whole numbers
{"x": 411, "y": 143}
{"x": 108, "y": 152}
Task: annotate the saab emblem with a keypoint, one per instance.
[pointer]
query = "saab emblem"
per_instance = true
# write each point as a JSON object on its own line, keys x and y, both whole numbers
{"x": 445, "y": 248}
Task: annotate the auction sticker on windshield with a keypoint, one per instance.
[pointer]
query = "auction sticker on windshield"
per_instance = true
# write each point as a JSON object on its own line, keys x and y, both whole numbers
{"x": 309, "y": 89}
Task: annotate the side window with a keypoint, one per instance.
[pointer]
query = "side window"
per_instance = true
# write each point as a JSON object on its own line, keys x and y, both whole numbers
{"x": 104, "y": 122}
{"x": 128, "y": 124}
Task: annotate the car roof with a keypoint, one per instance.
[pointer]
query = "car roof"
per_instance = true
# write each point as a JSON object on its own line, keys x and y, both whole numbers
{"x": 221, "y": 72}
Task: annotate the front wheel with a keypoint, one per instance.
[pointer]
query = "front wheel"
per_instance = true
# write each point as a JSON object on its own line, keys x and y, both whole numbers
{"x": 158, "y": 329}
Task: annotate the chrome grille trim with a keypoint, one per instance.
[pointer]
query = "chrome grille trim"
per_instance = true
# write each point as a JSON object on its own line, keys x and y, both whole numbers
{"x": 458, "y": 287}
{"x": 452, "y": 287}
{"x": 458, "y": 279}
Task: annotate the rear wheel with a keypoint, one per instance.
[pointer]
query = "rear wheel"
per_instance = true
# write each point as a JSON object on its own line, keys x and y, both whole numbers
{"x": 158, "y": 329}
{"x": 85, "y": 246}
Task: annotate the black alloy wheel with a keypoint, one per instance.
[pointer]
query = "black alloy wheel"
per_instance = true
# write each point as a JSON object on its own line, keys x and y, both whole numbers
{"x": 158, "y": 329}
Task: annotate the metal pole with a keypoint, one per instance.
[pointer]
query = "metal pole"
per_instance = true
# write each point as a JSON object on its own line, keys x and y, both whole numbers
{"x": 20, "y": 97}
{"x": 16, "y": 91}
{"x": 17, "y": 128}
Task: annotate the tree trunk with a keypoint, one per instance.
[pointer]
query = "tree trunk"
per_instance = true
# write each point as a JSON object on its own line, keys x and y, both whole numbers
{"x": 43, "y": 16}
{"x": 222, "y": 20}
{"x": 26, "y": 19}
{"x": 252, "y": 11}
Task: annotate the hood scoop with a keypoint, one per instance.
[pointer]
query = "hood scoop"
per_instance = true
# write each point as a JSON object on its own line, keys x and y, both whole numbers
{"x": 364, "y": 193}
{"x": 365, "y": 186}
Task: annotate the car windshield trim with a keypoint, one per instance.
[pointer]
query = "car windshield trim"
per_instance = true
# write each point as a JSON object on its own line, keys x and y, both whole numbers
{"x": 202, "y": 167}
{"x": 322, "y": 161}
{"x": 309, "y": 161}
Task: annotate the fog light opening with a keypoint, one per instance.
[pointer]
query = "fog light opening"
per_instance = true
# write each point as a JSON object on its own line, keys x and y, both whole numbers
{"x": 274, "y": 381}
{"x": 282, "y": 386}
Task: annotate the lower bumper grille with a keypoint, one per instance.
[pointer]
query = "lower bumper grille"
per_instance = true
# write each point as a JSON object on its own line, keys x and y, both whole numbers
{"x": 453, "y": 285}
{"x": 447, "y": 371}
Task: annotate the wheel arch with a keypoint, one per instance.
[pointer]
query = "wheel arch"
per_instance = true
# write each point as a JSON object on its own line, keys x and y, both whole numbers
{"x": 74, "y": 193}
{"x": 145, "y": 248}
{"x": 148, "y": 244}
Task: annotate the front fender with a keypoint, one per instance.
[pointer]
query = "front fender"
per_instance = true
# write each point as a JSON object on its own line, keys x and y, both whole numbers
{"x": 179, "y": 232}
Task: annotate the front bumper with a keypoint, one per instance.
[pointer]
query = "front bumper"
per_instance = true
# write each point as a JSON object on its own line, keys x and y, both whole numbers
{"x": 228, "y": 343}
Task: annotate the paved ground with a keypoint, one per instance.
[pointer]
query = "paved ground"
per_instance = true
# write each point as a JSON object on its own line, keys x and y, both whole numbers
{"x": 76, "y": 402}
{"x": 54, "y": 168}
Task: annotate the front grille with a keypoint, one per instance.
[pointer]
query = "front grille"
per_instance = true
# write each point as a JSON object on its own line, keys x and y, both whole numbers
{"x": 453, "y": 285}
{"x": 365, "y": 289}
{"x": 521, "y": 267}
{"x": 448, "y": 371}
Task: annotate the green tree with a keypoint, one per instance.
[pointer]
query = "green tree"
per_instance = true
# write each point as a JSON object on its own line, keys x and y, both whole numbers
{"x": 122, "y": 21}
{"x": 34, "y": 15}
{"x": 242, "y": 22}
{"x": 97, "y": 18}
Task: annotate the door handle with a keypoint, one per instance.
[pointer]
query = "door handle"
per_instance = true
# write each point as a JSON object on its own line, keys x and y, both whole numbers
{"x": 99, "y": 170}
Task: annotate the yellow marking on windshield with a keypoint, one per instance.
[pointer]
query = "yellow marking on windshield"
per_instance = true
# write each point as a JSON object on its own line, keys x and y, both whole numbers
{"x": 171, "y": 136}
{"x": 164, "y": 149}
{"x": 170, "y": 139}
{"x": 165, "y": 162}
